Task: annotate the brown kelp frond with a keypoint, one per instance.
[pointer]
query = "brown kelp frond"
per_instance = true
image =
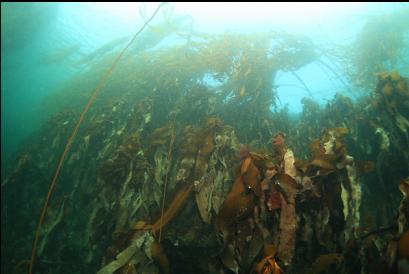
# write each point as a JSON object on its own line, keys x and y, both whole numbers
{"x": 240, "y": 200}
{"x": 159, "y": 256}
{"x": 173, "y": 208}
{"x": 268, "y": 264}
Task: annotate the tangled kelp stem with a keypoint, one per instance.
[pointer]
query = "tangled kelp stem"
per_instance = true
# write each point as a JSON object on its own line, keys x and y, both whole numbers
{"x": 75, "y": 131}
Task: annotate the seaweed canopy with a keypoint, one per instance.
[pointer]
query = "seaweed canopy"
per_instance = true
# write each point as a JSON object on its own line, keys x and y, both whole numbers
{"x": 380, "y": 46}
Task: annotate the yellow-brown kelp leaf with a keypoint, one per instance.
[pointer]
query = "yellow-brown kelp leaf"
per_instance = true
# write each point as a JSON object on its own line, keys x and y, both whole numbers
{"x": 204, "y": 190}
{"x": 316, "y": 148}
{"x": 142, "y": 225}
{"x": 339, "y": 148}
{"x": 395, "y": 76}
{"x": 404, "y": 187}
{"x": 174, "y": 207}
{"x": 322, "y": 164}
{"x": 213, "y": 123}
{"x": 251, "y": 177}
{"x": 382, "y": 75}
{"x": 245, "y": 165}
{"x": 190, "y": 141}
{"x": 301, "y": 165}
{"x": 402, "y": 88}
{"x": 404, "y": 245}
{"x": 341, "y": 130}
{"x": 287, "y": 182}
{"x": 159, "y": 256}
{"x": 208, "y": 145}
{"x": 270, "y": 250}
{"x": 387, "y": 89}
{"x": 237, "y": 205}
{"x": 268, "y": 265}
{"x": 288, "y": 219}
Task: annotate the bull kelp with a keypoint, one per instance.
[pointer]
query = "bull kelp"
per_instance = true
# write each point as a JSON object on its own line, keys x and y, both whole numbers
{"x": 184, "y": 161}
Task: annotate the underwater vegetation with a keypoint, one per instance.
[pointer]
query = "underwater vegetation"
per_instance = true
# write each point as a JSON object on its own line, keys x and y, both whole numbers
{"x": 171, "y": 174}
{"x": 382, "y": 45}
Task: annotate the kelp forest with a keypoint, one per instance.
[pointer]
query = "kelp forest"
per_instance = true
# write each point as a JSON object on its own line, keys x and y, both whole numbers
{"x": 185, "y": 163}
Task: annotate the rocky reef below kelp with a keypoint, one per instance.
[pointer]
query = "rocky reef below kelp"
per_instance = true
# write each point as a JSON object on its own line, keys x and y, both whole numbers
{"x": 330, "y": 207}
